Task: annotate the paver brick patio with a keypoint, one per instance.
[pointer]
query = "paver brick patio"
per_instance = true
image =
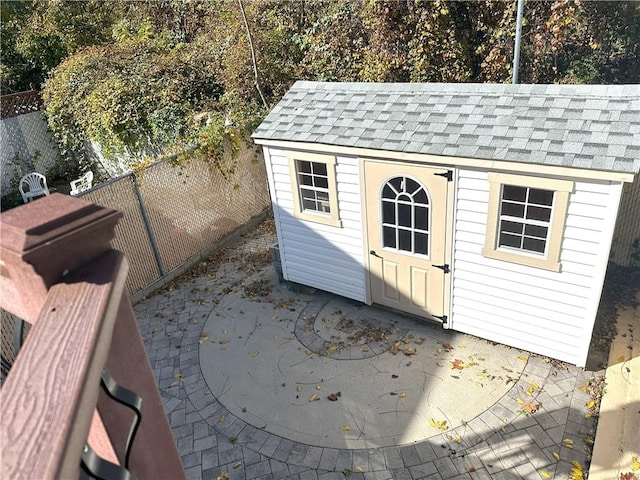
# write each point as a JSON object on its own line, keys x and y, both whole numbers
{"x": 500, "y": 443}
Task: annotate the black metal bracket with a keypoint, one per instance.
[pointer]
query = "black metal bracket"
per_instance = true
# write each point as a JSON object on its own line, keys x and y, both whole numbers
{"x": 127, "y": 398}
{"x": 373, "y": 252}
{"x": 444, "y": 268}
{"x": 441, "y": 317}
{"x": 96, "y": 467}
{"x": 91, "y": 463}
{"x": 448, "y": 175}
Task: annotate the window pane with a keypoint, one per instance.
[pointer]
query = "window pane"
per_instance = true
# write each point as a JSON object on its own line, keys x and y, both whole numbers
{"x": 404, "y": 215}
{"x": 388, "y": 212}
{"x": 540, "y": 197}
{"x": 512, "y": 209}
{"x": 308, "y": 193}
{"x": 507, "y": 240}
{"x": 323, "y": 196}
{"x": 542, "y": 214}
{"x": 422, "y": 218}
{"x": 304, "y": 167}
{"x": 533, "y": 245}
{"x": 320, "y": 168}
{"x": 509, "y": 192}
{"x": 395, "y": 183}
{"x": 308, "y": 204}
{"x": 536, "y": 231}
{"x": 421, "y": 243}
{"x": 389, "y": 237}
{"x": 387, "y": 192}
{"x": 404, "y": 240}
{"x": 511, "y": 227}
{"x": 411, "y": 186}
{"x": 305, "y": 179}
{"x": 421, "y": 197}
{"x": 322, "y": 182}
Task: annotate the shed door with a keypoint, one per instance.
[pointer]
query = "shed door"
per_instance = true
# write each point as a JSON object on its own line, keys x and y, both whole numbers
{"x": 406, "y": 220}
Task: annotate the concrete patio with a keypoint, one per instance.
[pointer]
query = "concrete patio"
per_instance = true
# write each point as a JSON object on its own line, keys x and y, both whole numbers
{"x": 246, "y": 367}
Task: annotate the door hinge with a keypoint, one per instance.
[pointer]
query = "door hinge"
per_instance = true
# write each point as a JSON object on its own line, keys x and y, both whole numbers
{"x": 444, "y": 268}
{"x": 441, "y": 317}
{"x": 448, "y": 175}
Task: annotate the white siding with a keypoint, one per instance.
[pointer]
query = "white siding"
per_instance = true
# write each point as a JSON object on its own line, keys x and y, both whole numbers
{"x": 550, "y": 313}
{"x": 321, "y": 256}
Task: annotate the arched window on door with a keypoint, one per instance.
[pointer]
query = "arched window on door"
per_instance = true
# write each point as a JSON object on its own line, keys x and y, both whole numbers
{"x": 405, "y": 216}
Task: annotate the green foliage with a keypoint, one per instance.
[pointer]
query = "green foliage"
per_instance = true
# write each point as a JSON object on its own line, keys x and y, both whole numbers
{"x": 37, "y": 35}
{"x": 171, "y": 75}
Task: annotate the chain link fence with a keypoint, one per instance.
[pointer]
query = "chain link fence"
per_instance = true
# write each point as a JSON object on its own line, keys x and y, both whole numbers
{"x": 26, "y": 144}
{"x": 173, "y": 216}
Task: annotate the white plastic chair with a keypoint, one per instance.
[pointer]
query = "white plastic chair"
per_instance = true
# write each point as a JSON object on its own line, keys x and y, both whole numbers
{"x": 82, "y": 184}
{"x": 36, "y": 184}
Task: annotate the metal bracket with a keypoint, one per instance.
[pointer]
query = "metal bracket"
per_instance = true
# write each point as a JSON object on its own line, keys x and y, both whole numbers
{"x": 448, "y": 175}
{"x": 441, "y": 317}
{"x": 127, "y": 398}
{"x": 444, "y": 268}
{"x": 96, "y": 467}
{"x": 373, "y": 252}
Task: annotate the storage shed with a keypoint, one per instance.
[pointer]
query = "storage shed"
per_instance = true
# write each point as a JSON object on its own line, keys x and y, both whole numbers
{"x": 488, "y": 208}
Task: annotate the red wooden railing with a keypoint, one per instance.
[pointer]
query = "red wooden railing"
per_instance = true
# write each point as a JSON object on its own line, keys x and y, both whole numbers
{"x": 58, "y": 272}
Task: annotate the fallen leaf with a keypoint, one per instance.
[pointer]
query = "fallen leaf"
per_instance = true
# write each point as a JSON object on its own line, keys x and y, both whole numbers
{"x": 332, "y": 348}
{"x": 223, "y": 476}
{"x": 556, "y": 455}
{"x": 524, "y": 359}
{"x": 409, "y": 351}
{"x": 345, "y": 428}
{"x": 364, "y": 349}
{"x": 590, "y": 404}
{"x": 332, "y": 397}
{"x": 447, "y": 346}
{"x": 357, "y": 469}
{"x": 318, "y": 387}
{"x": 439, "y": 424}
{"x": 222, "y": 418}
{"x": 568, "y": 442}
{"x": 520, "y": 401}
{"x": 308, "y": 352}
{"x": 635, "y": 464}
{"x": 298, "y": 388}
{"x": 545, "y": 474}
{"x": 402, "y": 395}
{"x": 438, "y": 351}
{"x": 457, "y": 364}
{"x": 223, "y": 342}
{"x": 254, "y": 354}
{"x": 314, "y": 397}
{"x": 394, "y": 349}
{"x": 236, "y": 465}
{"x": 530, "y": 407}
{"x": 458, "y": 439}
{"x": 587, "y": 415}
{"x": 471, "y": 469}
{"x": 621, "y": 358}
{"x": 479, "y": 384}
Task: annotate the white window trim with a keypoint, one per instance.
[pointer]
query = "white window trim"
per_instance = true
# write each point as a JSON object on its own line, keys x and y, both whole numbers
{"x": 333, "y": 218}
{"x": 561, "y": 188}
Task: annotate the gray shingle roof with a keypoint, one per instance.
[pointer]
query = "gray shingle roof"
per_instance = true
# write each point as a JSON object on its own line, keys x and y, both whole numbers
{"x": 585, "y": 126}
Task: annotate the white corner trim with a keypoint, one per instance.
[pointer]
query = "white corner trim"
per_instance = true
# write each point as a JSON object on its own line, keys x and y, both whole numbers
{"x": 600, "y": 272}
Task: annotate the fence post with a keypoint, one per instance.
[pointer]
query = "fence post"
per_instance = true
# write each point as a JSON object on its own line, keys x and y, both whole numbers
{"x": 147, "y": 224}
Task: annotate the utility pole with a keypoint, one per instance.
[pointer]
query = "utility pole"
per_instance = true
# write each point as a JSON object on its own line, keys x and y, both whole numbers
{"x": 516, "y": 48}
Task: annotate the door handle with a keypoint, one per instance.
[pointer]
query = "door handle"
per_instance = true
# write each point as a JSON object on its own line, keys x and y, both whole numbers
{"x": 373, "y": 252}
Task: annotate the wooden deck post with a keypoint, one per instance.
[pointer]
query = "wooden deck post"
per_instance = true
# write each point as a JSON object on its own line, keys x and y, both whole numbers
{"x": 60, "y": 239}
